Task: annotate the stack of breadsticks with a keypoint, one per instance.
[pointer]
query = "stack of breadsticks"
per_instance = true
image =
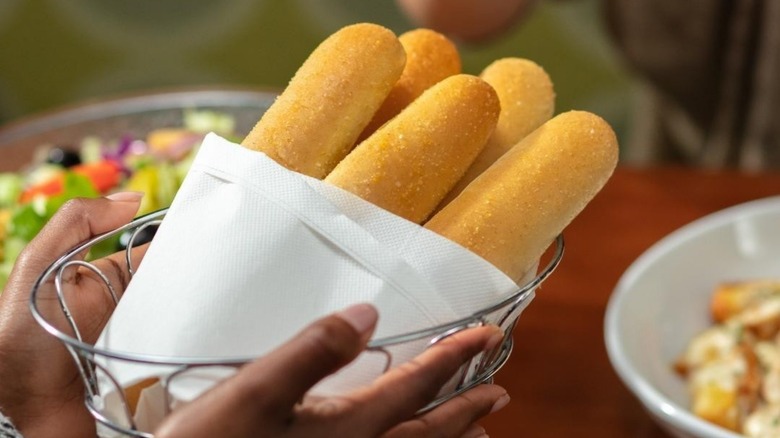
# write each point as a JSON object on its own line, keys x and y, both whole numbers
{"x": 478, "y": 160}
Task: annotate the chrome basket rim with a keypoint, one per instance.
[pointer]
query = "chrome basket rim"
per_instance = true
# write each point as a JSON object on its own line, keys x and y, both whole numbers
{"x": 518, "y": 296}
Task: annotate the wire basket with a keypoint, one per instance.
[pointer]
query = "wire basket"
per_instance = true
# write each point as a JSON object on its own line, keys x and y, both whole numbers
{"x": 480, "y": 369}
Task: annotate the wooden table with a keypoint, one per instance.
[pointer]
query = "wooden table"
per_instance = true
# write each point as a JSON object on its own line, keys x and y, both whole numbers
{"x": 559, "y": 376}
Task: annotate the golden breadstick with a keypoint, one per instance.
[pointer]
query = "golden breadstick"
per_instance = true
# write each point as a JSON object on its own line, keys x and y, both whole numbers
{"x": 316, "y": 120}
{"x": 411, "y": 162}
{"x": 512, "y": 212}
{"x": 133, "y": 392}
{"x": 430, "y": 57}
{"x": 527, "y": 100}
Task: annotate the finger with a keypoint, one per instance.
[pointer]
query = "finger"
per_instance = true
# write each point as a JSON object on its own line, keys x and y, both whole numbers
{"x": 76, "y": 221}
{"x": 475, "y": 431}
{"x": 456, "y": 417}
{"x": 260, "y": 398}
{"x": 115, "y": 268}
{"x": 93, "y": 301}
{"x": 398, "y": 394}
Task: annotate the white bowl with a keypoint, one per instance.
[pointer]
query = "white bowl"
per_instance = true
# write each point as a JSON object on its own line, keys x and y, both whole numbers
{"x": 662, "y": 301}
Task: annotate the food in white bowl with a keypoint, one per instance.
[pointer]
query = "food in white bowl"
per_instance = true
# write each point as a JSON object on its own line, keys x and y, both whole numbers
{"x": 663, "y": 301}
{"x": 733, "y": 367}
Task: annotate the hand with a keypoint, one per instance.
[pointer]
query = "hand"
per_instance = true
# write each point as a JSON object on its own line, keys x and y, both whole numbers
{"x": 41, "y": 389}
{"x": 467, "y": 20}
{"x": 264, "y": 398}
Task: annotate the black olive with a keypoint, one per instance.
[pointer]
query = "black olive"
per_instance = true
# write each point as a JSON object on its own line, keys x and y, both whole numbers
{"x": 63, "y": 156}
{"x": 143, "y": 236}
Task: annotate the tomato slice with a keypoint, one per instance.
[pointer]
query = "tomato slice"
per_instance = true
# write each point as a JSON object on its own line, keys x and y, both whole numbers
{"x": 104, "y": 176}
{"x": 48, "y": 188}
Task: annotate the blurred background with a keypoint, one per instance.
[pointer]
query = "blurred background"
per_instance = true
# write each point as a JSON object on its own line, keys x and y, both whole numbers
{"x": 61, "y": 52}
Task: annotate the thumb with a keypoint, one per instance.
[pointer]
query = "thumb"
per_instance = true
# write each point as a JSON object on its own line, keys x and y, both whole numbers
{"x": 76, "y": 221}
{"x": 261, "y": 397}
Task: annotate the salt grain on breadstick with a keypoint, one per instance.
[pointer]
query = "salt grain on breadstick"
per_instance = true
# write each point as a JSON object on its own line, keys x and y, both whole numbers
{"x": 330, "y": 100}
{"x": 411, "y": 162}
{"x": 527, "y": 100}
{"x": 512, "y": 212}
{"x": 430, "y": 57}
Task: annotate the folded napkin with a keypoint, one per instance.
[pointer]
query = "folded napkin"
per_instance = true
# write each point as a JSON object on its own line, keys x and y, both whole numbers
{"x": 250, "y": 252}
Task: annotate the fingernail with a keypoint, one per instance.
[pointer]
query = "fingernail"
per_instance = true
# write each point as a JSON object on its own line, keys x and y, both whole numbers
{"x": 362, "y": 317}
{"x": 476, "y": 431}
{"x": 125, "y": 196}
{"x": 500, "y": 403}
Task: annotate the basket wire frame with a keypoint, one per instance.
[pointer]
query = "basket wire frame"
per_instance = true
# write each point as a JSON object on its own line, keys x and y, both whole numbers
{"x": 478, "y": 370}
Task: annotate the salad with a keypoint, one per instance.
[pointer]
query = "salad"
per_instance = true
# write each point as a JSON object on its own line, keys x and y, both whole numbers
{"x": 155, "y": 165}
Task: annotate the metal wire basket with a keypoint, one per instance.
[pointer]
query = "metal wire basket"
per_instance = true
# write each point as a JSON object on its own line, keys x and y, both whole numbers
{"x": 87, "y": 357}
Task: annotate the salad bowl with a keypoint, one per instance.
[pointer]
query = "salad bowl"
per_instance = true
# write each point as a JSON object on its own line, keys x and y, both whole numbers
{"x": 141, "y": 142}
{"x": 663, "y": 300}
{"x": 133, "y": 115}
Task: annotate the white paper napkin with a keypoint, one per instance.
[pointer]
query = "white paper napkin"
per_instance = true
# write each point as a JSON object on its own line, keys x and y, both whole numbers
{"x": 250, "y": 252}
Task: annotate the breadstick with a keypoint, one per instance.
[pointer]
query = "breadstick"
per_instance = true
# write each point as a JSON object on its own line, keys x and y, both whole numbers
{"x": 314, "y": 123}
{"x": 430, "y": 57}
{"x": 411, "y": 162}
{"x": 512, "y": 212}
{"x": 527, "y": 100}
{"x": 133, "y": 392}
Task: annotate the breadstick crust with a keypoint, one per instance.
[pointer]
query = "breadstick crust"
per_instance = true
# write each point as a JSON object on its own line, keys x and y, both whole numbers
{"x": 133, "y": 392}
{"x": 430, "y": 58}
{"x": 511, "y": 213}
{"x": 527, "y": 99}
{"x": 412, "y": 161}
{"x": 315, "y": 122}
